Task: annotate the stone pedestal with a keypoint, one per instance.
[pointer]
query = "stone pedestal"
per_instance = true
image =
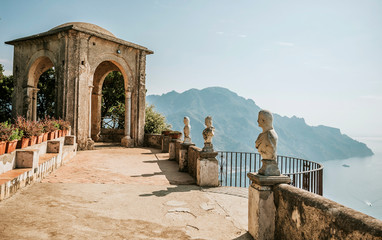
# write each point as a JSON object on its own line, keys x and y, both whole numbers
{"x": 183, "y": 157}
{"x": 207, "y": 170}
{"x": 172, "y": 150}
{"x": 261, "y": 206}
{"x": 27, "y": 158}
{"x": 70, "y": 140}
{"x": 166, "y": 144}
{"x": 208, "y": 147}
{"x": 269, "y": 168}
{"x": 126, "y": 141}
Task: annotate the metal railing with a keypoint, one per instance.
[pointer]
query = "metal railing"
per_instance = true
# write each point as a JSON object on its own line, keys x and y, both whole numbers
{"x": 110, "y": 122}
{"x": 234, "y": 166}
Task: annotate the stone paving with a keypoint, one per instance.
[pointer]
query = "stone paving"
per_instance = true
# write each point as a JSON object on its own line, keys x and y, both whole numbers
{"x": 119, "y": 193}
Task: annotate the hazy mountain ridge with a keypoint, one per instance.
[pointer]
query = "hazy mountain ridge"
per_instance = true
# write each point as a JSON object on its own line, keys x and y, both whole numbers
{"x": 235, "y": 121}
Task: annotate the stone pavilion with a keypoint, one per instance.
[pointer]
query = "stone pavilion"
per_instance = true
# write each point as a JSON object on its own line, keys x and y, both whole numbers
{"x": 82, "y": 55}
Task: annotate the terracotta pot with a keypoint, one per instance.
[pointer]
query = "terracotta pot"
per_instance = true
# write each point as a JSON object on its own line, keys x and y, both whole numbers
{"x": 22, "y": 143}
{"x": 51, "y": 135}
{"x": 166, "y": 132}
{"x": 11, "y": 146}
{"x": 3, "y": 145}
{"x": 60, "y": 133}
{"x": 175, "y": 135}
{"x": 45, "y": 137}
{"x": 32, "y": 141}
{"x": 56, "y": 134}
{"x": 40, "y": 138}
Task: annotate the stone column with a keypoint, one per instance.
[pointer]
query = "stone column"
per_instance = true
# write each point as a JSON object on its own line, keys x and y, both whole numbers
{"x": 126, "y": 141}
{"x": 90, "y": 142}
{"x": 261, "y": 205}
{"x": 34, "y": 103}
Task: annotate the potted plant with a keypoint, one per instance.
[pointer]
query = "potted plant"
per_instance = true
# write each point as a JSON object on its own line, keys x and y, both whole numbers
{"x": 64, "y": 126}
{"x": 5, "y": 133}
{"x": 39, "y": 131}
{"x": 51, "y": 126}
{"x": 175, "y": 135}
{"x": 13, "y": 138}
{"x": 23, "y": 125}
{"x": 45, "y": 131}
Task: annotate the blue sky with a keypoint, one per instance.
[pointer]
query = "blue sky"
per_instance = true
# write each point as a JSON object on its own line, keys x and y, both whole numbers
{"x": 321, "y": 60}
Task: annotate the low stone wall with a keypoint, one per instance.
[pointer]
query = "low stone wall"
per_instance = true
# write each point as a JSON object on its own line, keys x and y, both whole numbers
{"x": 153, "y": 140}
{"x": 193, "y": 156}
{"x": 304, "y": 215}
{"x": 41, "y": 159}
{"x": 111, "y": 135}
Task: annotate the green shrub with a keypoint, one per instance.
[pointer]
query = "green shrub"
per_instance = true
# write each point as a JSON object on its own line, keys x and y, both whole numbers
{"x": 154, "y": 121}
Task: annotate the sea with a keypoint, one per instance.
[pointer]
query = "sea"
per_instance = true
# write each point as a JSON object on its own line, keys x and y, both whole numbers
{"x": 357, "y": 182}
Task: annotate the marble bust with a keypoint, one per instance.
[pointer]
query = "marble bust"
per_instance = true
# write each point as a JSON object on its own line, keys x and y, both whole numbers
{"x": 186, "y": 130}
{"x": 266, "y": 142}
{"x": 208, "y": 134}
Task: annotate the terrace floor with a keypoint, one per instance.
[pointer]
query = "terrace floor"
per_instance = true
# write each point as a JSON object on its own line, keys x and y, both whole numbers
{"x": 119, "y": 193}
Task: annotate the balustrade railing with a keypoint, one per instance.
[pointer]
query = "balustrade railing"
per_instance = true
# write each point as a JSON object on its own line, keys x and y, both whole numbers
{"x": 234, "y": 166}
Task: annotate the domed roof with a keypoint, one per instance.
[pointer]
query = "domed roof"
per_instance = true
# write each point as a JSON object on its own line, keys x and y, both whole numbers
{"x": 88, "y": 26}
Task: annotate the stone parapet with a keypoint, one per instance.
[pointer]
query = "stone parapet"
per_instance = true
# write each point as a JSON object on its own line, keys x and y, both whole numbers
{"x": 172, "y": 150}
{"x": 153, "y": 140}
{"x": 165, "y": 143}
{"x": 183, "y": 156}
{"x": 304, "y": 215}
{"x": 193, "y": 156}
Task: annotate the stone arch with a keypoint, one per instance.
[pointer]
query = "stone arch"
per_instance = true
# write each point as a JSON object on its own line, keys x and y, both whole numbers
{"x": 100, "y": 72}
{"x": 116, "y": 62}
{"x": 40, "y": 62}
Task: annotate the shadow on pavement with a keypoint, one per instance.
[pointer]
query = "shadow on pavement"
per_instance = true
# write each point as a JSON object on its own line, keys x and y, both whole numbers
{"x": 179, "y": 188}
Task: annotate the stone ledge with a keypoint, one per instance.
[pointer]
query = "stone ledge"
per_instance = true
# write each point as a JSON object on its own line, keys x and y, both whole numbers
{"x": 15, "y": 179}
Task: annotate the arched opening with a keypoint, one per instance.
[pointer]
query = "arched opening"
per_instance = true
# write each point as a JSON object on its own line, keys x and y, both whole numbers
{"x": 42, "y": 89}
{"x": 109, "y": 121}
{"x": 46, "y": 95}
{"x": 113, "y": 107}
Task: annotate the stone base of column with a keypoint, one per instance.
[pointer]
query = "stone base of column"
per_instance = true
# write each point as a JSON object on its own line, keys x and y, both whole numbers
{"x": 90, "y": 144}
{"x": 207, "y": 170}
{"x": 126, "y": 141}
{"x": 261, "y": 206}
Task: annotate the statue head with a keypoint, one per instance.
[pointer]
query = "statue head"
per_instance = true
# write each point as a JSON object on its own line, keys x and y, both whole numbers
{"x": 208, "y": 121}
{"x": 186, "y": 120}
{"x": 265, "y": 120}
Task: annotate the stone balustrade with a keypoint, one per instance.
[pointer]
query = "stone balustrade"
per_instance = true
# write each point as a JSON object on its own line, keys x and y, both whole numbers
{"x": 203, "y": 166}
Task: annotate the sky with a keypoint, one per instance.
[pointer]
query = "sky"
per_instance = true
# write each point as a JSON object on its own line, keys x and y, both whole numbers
{"x": 320, "y": 60}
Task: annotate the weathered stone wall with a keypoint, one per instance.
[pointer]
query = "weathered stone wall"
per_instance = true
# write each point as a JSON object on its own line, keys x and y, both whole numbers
{"x": 153, "y": 140}
{"x": 304, "y": 215}
{"x": 193, "y": 156}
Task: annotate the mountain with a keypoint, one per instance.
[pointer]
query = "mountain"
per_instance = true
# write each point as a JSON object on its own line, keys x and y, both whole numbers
{"x": 235, "y": 122}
